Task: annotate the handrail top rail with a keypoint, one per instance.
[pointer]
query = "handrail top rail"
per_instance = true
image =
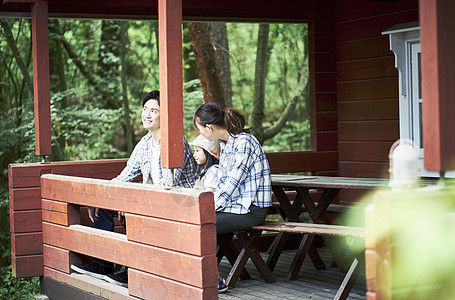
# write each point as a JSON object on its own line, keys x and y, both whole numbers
{"x": 129, "y": 185}
{"x": 170, "y": 203}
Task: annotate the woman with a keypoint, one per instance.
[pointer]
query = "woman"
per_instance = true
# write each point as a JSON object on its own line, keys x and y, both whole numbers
{"x": 244, "y": 190}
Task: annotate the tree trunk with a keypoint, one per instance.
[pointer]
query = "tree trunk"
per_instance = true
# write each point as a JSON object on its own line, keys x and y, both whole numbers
{"x": 221, "y": 44}
{"x": 154, "y": 31}
{"x": 59, "y": 69}
{"x": 77, "y": 61}
{"x": 190, "y": 68}
{"x": 300, "y": 92}
{"x": 108, "y": 69}
{"x": 206, "y": 62}
{"x": 257, "y": 114}
{"x": 60, "y": 63}
{"x": 16, "y": 54}
{"x": 126, "y": 108}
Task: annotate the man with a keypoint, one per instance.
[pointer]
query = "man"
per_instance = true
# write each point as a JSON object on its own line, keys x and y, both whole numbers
{"x": 145, "y": 160}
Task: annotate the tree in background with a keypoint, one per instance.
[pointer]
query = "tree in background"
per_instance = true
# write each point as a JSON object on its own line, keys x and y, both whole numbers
{"x": 201, "y": 40}
{"x": 275, "y": 101}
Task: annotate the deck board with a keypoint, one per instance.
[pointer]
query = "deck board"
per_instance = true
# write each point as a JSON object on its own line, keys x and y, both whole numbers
{"x": 310, "y": 284}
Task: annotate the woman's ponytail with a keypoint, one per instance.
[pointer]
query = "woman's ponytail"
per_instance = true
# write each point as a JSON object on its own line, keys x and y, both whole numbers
{"x": 227, "y": 118}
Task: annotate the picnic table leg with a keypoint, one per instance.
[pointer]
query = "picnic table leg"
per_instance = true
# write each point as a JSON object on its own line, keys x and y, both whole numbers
{"x": 275, "y": 251}
{"x": 249, "y": 250}
{"x": 227, "y": 248}
{"x": 317, "y": 214}
{"x": 300, "y": 256}
{"x": 338, "y": 252}
{"x": 348, "y": 281}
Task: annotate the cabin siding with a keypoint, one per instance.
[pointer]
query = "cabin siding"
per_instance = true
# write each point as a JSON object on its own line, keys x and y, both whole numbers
{"x": 321, "y": 38}
{"x": 26, "y": 211}
{"x": 367, "y": 85}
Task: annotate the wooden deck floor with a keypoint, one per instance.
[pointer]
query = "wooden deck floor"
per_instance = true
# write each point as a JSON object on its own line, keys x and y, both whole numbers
{"x": 311, "y": 283}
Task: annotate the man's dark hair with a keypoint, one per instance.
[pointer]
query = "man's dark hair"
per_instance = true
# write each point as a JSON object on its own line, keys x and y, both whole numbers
{"x": 152, "y": 95}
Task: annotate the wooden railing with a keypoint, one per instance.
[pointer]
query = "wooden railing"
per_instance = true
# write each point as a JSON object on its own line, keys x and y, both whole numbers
{"x": 27, "y": 210}
{"x": 169, "y": 246}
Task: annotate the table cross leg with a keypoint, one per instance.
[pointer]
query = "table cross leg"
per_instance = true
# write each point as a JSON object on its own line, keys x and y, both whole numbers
{"x": 348, "y": 281}
{"x": 249, "y": 250}
{"x": 317, "y": 213}
{"x": 227, "y": 248}
{"x": 275, "y": 251}
{"x": 302, "y": 251}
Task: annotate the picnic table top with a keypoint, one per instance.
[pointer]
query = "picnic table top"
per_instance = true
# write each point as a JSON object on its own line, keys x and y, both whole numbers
{"x": 332, "y": 182}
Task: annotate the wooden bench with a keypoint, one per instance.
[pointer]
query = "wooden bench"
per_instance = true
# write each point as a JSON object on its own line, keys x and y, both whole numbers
{"x": 248, "y": 238}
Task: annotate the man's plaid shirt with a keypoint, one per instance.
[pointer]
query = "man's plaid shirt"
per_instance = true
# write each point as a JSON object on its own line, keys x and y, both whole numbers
{"x": 140, "y": 162}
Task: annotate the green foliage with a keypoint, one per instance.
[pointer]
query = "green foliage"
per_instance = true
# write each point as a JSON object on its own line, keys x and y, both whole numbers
{"x": 17, "y": 288}
{"x": 293, "y": 137}
{"x": 193, "y": 99}
{"x": 287, "y": 48}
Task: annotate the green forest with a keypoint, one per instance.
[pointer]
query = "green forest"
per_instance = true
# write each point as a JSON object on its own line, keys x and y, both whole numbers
{"x": 101, "y": 69}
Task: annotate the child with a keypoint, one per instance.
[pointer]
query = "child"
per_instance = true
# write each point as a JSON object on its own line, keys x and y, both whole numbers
{"x": 206, "y": 154}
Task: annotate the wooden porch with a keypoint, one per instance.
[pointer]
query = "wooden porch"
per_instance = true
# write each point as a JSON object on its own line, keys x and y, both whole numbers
{"x": 353, "y": 108}
{"x": 311, "y": 283}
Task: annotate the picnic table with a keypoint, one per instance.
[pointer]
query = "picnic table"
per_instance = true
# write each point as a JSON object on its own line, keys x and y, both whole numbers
{"x": 302, "y": 185}
{"x": 294, "y": 192}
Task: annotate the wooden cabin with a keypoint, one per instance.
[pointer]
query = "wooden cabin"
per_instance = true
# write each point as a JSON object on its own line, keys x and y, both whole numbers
{"x": 363, "y": 97}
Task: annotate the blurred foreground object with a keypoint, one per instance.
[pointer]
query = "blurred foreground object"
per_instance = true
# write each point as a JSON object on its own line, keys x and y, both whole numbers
{"x": 410, "y": 241}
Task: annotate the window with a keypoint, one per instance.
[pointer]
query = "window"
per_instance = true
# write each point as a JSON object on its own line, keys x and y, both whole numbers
{"x": 405, "y": 43}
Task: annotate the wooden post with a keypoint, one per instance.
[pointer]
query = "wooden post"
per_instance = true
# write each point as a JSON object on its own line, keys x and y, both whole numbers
{"x": 41, "y": 89}
{"x": 438, "y": 81}
{"x": 171, "y": 82}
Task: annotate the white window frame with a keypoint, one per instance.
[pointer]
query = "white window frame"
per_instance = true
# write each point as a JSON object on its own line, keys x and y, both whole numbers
{"x": 405, "y": 44}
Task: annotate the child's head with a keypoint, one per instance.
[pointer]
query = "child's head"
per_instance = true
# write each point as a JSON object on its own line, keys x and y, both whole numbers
{"x": 204, "y": 150}
{"x": 206, "y": 154}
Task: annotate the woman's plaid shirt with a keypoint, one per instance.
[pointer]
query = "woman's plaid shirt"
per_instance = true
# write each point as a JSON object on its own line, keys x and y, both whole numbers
{"x": 245, "y": 176}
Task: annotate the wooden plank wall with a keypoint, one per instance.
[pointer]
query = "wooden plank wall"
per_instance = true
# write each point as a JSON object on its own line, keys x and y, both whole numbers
{"x": 367, "y": 85}
{"x": 25, "y": 206}
{"x": 321, "y": 39}
{"x": 169, "y": 246}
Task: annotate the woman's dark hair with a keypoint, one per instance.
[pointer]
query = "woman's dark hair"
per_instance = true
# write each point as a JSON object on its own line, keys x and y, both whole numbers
{"x": 227, "y": 118}
{"x": 155, "y": 95}
{"x": 210, "y": 160}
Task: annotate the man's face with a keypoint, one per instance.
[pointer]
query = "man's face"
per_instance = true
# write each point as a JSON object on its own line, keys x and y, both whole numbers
{"x": 151, "y": 115}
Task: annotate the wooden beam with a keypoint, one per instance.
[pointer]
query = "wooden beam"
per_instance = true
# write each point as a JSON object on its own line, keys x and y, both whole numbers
{"x": 171, "y": 82}
{"x": 41, "y": 89}
{"x": 25, "y": 1}
{"x": 438, "y": 81}
{"x": 179, "y": 204}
